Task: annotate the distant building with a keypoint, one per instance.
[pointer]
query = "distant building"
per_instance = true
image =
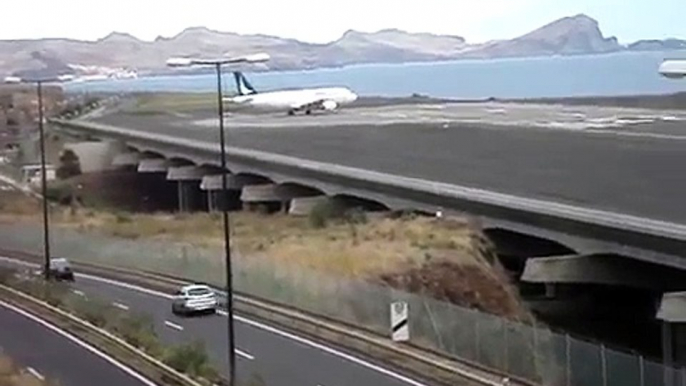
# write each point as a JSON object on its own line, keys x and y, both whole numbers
{"x": 19, "y": 104}
{"x": 31, "y": 174}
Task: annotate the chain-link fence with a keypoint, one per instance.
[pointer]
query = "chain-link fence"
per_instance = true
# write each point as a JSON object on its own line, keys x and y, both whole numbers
{"x": 530, "y": 352}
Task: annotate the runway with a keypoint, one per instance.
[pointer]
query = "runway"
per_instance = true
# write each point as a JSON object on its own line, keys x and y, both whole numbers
{"x": 618, "y": 159}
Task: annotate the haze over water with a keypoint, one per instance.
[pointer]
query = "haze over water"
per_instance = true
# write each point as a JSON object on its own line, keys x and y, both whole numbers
{"x": 612, "y": 74}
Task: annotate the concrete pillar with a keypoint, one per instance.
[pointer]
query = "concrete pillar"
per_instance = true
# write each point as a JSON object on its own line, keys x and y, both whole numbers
{"x": 212, "y": 184}
{"x": 188, "y": 179}
{"x": 95, "y": 156}
{"x": 153, "y": 165}
{"x": 262, "y": 197}
{"x": 302, "y": 206}
{"x": 672, "y": 314}
{"x": 125, "y": 160}
{"x": 611, "y": 270}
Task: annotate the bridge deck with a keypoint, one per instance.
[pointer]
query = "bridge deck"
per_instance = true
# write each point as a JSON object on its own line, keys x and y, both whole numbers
{"x": 622, "y": 160}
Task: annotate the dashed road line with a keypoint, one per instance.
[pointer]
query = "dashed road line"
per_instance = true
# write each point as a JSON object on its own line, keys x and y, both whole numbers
{"x": 244, "y": 354}
{"x": 173, "y": 325}
{"x": 121, "y": 306}
{"x": 35, "y": 373}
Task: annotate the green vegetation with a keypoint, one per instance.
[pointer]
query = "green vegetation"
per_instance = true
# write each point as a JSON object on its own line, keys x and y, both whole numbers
{"x": 13, "y": 375}
{"x": 69, "y": 165}
{"x": 159, "y": 103}
{"x": 135, "y": 328}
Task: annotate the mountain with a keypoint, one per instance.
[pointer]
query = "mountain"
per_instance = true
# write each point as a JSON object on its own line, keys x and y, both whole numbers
{"x": 118, "y": 51}
{"x": 574, "y": 35}
{"x": 658, "y": 45}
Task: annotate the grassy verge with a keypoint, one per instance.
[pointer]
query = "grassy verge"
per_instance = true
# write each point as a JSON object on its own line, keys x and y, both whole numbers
{"x": 11, "y": 374}
{"x": 173, "y": 102}
{"x": 447, "y": 258}
{"x": 134, "y": 328}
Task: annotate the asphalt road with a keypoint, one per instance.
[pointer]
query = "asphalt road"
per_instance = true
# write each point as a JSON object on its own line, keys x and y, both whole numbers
{"x": 276, "y": 356}
{"x": 617, "y": 159}
{"x": 52, "y": 356}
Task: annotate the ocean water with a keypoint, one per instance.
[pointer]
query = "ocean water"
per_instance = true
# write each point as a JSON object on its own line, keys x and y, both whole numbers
{"x": 591, "y": 75}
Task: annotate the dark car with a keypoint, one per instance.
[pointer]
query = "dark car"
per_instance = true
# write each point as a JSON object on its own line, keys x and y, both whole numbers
{"x": 60, "y": 269}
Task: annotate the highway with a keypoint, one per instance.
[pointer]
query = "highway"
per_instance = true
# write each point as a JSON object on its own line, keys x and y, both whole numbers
{"x": 614, "y": 159}
{"x": 274, "y": 355}
{"x": 46, "y": 353}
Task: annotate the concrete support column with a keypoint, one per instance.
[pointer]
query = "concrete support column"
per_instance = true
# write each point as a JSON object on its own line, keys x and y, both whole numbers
{"x": 216, "y": 201}
{"x": 672, "y": 313}
{"x": 302, "y": 206}
{"x": 188, "y": 179}
{"x": 262, "y": 197}
{"x": 126, "y": 160}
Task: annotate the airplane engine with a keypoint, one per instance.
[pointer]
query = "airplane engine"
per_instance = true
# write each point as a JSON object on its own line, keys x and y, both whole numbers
{"x": 329, "y": 105}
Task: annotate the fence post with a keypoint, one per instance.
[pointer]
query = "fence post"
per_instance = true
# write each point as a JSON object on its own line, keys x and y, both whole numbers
{"x": 642, "y": 370}
{"x": 603, "y": 363}
{"x": 506, "y": 348}
{"x": 568, "y": 354}
{"x": 477, "y": 338}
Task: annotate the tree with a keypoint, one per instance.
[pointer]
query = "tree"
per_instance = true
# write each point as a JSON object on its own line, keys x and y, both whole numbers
{"x": 70, "y": 165}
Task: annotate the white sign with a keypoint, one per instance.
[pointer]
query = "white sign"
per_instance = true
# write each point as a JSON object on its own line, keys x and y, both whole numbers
{"x": 400, "y": 324}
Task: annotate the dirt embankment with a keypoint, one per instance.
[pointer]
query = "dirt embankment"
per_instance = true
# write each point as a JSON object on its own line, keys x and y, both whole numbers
{"x": 447, "y": 259}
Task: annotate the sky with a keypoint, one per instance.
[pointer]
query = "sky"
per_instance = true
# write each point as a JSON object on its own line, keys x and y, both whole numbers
{"x": 325, "y": 20}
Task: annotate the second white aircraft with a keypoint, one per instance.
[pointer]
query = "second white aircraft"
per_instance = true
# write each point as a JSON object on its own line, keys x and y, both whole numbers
{"x": 290, "y": 101}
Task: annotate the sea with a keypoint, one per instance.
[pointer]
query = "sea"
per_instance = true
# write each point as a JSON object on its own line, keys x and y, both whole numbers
{"x": 626, "y": 73}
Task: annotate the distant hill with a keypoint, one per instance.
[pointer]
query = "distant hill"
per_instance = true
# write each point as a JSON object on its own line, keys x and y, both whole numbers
{"x": 568, "y": 36}
{"x": 574, "y": 35}
{"x": 658, "y": 45}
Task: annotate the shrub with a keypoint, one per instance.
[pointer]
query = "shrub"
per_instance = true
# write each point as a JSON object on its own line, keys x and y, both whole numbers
{"x": 94, "y": 311}
{"x": 138, "y": 330}
{"x": 323, "y": 212}
{"x": 191, "y": 359}
{"x": 69, "y": 166}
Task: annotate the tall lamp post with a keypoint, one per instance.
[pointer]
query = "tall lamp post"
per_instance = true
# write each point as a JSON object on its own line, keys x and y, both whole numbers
{"x": 672, "y": 69}
{"x": 217, "y": 63}
{"x": 46, "y": 227}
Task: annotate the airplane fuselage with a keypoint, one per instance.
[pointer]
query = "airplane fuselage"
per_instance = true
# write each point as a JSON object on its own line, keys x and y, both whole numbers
{"x": 295, "y": 100}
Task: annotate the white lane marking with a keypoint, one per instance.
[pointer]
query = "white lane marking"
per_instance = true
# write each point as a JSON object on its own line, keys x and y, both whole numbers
{"x": 35, "y": 373}
{"x": 244, "y": 354}
{"x": 79, "y": 293}
{"x": 173, "y": 325}
{"x": 18, "y": 262}
{"x": 267, "y": 328}
{"x": 80, "y": 343}
{"x": 121, "y": 306}
{"x": 332, "y": 351}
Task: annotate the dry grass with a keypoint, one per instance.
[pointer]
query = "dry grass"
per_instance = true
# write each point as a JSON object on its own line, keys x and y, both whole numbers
{"x": 378, "y": 246}
{"x": 14, "y": 203}
{"x": 174, "y": 102}
{"x": 12, "y": 375}
{"x": 446, "y": 258}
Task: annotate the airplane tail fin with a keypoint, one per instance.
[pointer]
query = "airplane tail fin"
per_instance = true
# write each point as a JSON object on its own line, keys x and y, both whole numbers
{"x": 242, "y": 85}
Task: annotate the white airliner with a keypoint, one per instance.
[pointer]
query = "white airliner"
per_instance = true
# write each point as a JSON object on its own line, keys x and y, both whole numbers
{"x": 291, "y": 101}
{"x": 675, "y": 69}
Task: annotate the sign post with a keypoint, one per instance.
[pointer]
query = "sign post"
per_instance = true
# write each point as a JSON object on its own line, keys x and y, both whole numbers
{"x": 400, "y": 326}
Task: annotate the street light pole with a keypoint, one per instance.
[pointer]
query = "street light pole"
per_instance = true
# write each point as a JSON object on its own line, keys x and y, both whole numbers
{"x": 44, "y": 189}
{"x": 217, "y": 64}
{"x": 227, "y": 240}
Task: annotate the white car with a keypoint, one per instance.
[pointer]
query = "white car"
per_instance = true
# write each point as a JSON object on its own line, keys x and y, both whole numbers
{"x": 194, "y": 298}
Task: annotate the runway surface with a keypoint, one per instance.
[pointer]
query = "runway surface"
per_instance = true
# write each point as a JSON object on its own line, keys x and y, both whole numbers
{"x": 619, "y": 159}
